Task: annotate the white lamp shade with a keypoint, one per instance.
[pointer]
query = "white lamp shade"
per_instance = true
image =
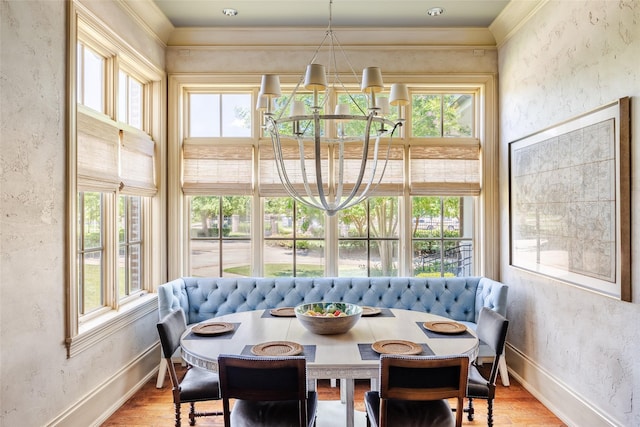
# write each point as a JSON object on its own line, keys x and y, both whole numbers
{"x": 263, "y": 102}
{"x": 315, "y": 78}
{"x": 270, "y": 85}
{"x": 342, "y": 110}
{"x": 399, "y": 94}
{"x": 382, "y": 103}
{"x": 372, "y": 79}
{"x": 297, "y": 108}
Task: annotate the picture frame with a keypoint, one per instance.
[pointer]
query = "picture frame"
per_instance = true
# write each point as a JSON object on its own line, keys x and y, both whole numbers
{"x": 570, "y": 201}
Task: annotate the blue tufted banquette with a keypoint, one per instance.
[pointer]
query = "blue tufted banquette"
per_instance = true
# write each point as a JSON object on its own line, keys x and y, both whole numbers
{"x": 458, "y": 298}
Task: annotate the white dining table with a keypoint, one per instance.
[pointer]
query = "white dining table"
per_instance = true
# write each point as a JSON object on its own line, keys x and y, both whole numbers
{"x": 347, "y": 356}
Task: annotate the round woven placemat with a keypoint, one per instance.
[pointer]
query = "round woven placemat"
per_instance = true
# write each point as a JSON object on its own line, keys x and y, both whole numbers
{"x": 396, "y": 347}
{"x": 277, "y": 348}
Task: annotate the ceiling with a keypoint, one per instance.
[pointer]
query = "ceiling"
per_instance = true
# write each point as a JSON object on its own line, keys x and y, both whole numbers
{"x": 345, "y": 13}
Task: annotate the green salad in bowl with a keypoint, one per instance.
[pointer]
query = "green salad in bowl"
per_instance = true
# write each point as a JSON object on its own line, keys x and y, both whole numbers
{"x": 327, "y": 318}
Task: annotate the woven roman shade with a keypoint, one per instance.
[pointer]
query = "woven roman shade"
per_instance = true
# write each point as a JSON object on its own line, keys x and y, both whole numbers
{"x": 393, "y": 179}
{"x": 98, "y": 146}
{"x": 447, "y": 170}
{"x": 269, "y": 180}
{"x": 221, "y": 169}
{"x": 137, "y": 164}
{"x": 110, "y": 158}
{"x": 270, "y": 184}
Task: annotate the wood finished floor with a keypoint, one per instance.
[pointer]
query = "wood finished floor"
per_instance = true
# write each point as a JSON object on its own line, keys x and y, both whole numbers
{"x": 149, "y": 407}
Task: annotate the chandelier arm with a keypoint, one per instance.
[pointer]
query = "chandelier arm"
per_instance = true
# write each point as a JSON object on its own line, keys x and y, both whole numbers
{"x": 286, "y": 105}
{"x": 279, "y": 159}
{"x": 386, "y": 159}
{"x": 355, "y": 75}
{"x": 364, "y": 194}
{"x": 363, "y": 165}
{"x": 318, "y": 161}
{"x": 303, "y": 168}
{"x": 340, "y": 170}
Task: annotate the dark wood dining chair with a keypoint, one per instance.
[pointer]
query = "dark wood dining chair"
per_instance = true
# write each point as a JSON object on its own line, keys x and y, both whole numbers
{"x": 414, "y": 389}
{"x": 198, "y": 384}
{"x": 268, "y": 391}
{"x": 491, "y": 331}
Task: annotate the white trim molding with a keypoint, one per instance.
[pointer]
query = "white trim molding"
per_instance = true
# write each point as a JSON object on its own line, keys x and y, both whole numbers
{"x": 571, "y": 408}
{"x": 100, "y": 403}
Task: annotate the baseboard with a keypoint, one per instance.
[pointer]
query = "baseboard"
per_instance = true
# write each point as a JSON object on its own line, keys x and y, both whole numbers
{"x": 562, "y": 401}
{"x": 103, "y": 401}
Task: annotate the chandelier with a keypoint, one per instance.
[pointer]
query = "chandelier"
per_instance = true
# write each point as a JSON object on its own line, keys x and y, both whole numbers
{"x": 340, "y": 158}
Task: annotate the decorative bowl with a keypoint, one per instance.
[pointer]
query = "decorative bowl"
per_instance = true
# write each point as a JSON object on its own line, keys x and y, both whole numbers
{"x": 328, "y": 318}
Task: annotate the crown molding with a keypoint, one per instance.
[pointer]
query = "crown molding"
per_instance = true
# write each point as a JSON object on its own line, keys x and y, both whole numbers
{"x": 312, "y": 36}
{"x": 149, "y": 16}
{"x": 513, "y": 17}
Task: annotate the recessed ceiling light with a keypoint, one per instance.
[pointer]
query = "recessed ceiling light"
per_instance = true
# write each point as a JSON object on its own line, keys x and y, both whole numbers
{"x": 435, "y": 11}
{"x": 229, "y": 12}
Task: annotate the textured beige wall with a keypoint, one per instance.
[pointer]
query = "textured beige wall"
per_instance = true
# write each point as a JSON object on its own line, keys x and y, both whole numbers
{"x": 570, "y": 58}
{"x": 38, "y": 381}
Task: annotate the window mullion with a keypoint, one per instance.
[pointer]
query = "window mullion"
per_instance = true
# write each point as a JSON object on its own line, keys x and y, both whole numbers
{"x": 110, "y": 284}
{"x": 111, "y": 87}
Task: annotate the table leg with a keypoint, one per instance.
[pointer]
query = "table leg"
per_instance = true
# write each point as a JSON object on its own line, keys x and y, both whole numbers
{"x": 312, "y": 384}
{"x": 349, "y": 386}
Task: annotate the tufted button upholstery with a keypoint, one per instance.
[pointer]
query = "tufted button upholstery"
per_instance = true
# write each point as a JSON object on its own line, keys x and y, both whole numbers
{"x": 459, "y": 298}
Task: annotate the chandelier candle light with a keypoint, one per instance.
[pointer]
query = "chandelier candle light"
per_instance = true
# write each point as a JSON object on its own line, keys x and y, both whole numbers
{"x": 324, "y": 176}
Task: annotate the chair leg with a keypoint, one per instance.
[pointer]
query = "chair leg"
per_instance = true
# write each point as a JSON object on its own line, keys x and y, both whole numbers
{"x": 490, "y": 412}
{"x": 177, "y": 410}
{"x": 192, "y": 414}
{"x": 470, "y": 411}
{"x": 162, "y": 371}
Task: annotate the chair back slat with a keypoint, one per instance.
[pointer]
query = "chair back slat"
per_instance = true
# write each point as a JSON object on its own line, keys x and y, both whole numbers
{"x": 266, "y": 379}
{"x": 423, "y": 378}
{"x": 492, "y": 330}
{"x": 170, "y": 329}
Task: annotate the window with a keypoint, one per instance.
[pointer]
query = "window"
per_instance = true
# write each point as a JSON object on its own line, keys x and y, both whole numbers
{"x": 130, "y": 98}
{"x": 442, "y": 115}
{"x": 293, "y": 239}
{"x": 113, "y": 123}
{"x": 91, "y": 86}
{"x": 90, "y": 252}
{"x": 220, "y": 115}
{"x": 220, "y": 236}
{"x": 369, "y": 237}
{"x": 441, "y": 241}
{"x": 130, "y": 245}
{"x": 433, "y": 162}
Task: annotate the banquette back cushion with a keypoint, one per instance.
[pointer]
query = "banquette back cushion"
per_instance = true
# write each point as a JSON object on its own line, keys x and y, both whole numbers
{"x": 458, "y": 298}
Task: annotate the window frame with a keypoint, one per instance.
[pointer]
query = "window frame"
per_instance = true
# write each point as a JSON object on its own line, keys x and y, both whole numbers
{"x": 83, "y": 331}
{"x": 371, "y": 240}
{"x": 483, "y": 86}
{"x": 441, "y": 239}
{"x": 220, "y": 239}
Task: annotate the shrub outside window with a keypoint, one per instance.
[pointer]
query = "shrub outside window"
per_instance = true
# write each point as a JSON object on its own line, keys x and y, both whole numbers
{"x": 369, "y": 237}
{"x": 90, "y": 252}
{"x": 220, "y": 236}
{"x": 441, "y": 236}
{"x": 293, "y": 239}
{"x": 442, "y": 115}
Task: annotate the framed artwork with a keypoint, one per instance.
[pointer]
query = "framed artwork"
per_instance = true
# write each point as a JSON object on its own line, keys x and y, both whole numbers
{"x": 570, "y": 201}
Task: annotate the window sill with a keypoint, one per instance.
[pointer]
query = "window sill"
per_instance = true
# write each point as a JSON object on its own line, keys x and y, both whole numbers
{"x": 99, "y": 328}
